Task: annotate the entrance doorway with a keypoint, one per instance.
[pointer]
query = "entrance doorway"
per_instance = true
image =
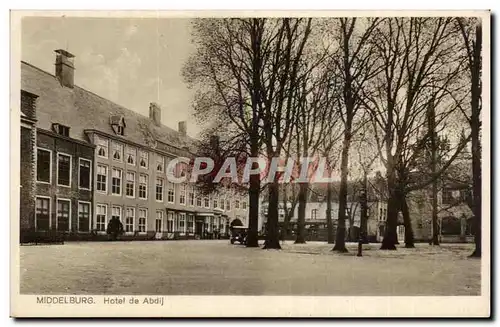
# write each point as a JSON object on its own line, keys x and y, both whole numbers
{"x": 198, "y": 229}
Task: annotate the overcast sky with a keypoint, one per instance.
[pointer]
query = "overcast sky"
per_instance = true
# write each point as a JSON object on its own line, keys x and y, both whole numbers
{"x": 130, "y": 61}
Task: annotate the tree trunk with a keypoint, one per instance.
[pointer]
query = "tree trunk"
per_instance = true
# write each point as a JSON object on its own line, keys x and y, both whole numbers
{"x": 476, "y": 140}
{"x": 340, "y": 237}
{"x": 363, "y": 224}
{"x": 253, "y": 214}
{"x": 329, "y": 221}
{"x": 273, "y": 238}
{"x": 409, "y": 239}
{"x": 390, "y": 237}
{"x": 301, "y": 219}
{"x": 434, "y": 196}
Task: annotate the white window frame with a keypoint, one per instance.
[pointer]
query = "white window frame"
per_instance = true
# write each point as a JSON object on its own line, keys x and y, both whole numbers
{"x": 140, "y": 153}
{"x": 121, "y": 212}
{"x": 90, "y": 215}
{"x": 90, "y": 174}
{"x": 145, "y": 220}
{"x": 121, "y": 181}
{"x": 244, "y": 205}
{"x": 100, "y": 139}
{"x": 228, "y": 205}
{"x": 69, "y": 216}
{"x": 50, "y": 165}
{"x": 170, "y": 187}
{"x": 161, "y": 218}
{"x": 183, "y": 191}
{"x": 50, "y": 210}
{"x": 133, "y": 185}
{"x": 199, "y": 201}
{"x": 115, "y": 144}
{"x": 70, "y": 169}
{"x": 162, "y": 189}
{"x": 134, "y": 153}
{"x": 160, "y": 160}
{"x": 105, "y": 206}
{"x": 206, "y": 200}
{"x": 215, "y": 203}
{"x": 181, "y": 216}
{"x": 139, "y": 187}
{"x": 191, "y": 191}
{"x": 236, "y": 204}
{"x": 133, "y": 220}
{"x": 170, "y": 218}
{"x": 107, "y": 179}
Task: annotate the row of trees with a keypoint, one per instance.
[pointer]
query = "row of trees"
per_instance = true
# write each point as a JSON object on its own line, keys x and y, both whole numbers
{"x": 304, "y": 87}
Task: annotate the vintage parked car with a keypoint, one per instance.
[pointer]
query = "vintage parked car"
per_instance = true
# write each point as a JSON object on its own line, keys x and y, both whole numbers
{"x": 238, "y": 234}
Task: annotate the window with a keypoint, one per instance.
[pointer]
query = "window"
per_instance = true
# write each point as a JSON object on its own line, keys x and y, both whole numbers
{"x": 117, "y": 151}
{"x": 170, "y": 222}
{"x": 198, "y": 201}
{"x": 447, "y": 197}
{"x": 159, "y": 221}
{"x": 222, "y": 204}
{"x": 143, "y": 160}
{"x": 102, "y": 147}
{"x": 228, "y": 205}
{"x": 131, "y": 155}
{"x": 42, "y": 213}
{"x": 159, "y": 189}
{"x": 102, "y": 176}
{"x": 347, "y": 213}
{"x": 130, "y": 185}
{"x": 101, "y": 214}
{"x": 116, "y": 182}
{"x": 182, "y": 196}
{"x": 63, "y": 169}
{"x": 244, "y": 205}
{"x": 191, "y": 196}
{"x": 171, "y": 192}
{"x": 206, "y": 201}
{"x": 182, "y": 223}
{"x": 116, "y": 212}
{"x": 61, "y": 129}
{"x": 237, "y": 204}
{"x": 143, "y": 186}
{"x": 119, "y": 130}
{"x": 314, "y": 214}
{"x": 143, "y": 213}
{"x": 215, "y": 204}
{"x": 84, "y": 174}
{"x": 129, "y": 220}
{"x": 83, "y": 216}
{"x": 190, "y": 224}
{"x": 43, "y": 159}
{"x": 160, "y": 163}
{"x": 63, "y": 213}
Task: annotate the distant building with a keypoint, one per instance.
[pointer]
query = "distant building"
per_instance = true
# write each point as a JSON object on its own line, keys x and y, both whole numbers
{"x": 128, "y": 154}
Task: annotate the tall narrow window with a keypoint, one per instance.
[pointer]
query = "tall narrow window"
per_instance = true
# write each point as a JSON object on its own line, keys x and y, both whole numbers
{"x": 314, "y": 213}
{"x": 159, "y": 221}
{"x": 63, "y": 169}
{"x": 102, "y": 147}
{"x": 101, "y": 214}
{"x": 130, "y": 186}
{"x": 131, "y": 155}
{"x": 222, "y": 204}
{"x": 216, "y": 203}
{"x": 160, "y": 163}
{"x": 244, "y": 205}
{"x": 117, "y": 151}
{"x": 190, "y": 224}
{"x": 182, "y": 196}
{"x": 43, "y": 159}
{"x": 159, "y": 189}
{"x": 84, "y": 174}
{"x": 63, "y": 213}
{"x": 129, "y": 220}
{"x": 143, "y": 186}
{"x": 102, "y": 177}
{"x": 170, "y": 221}
{"x": 182, "y": 222}
{"x": 42, "y": 213}
{"x": 143, "y": 159}
{"x": 171, "y": 192}
{"x": 206, "y": 202}
{"x": 237, "y": 204}
{"x": 191, "y": 196}
{"x": 198, "y": 200}
{"x": 143, "y": 213}
{"x": 116, "y": 182}
{"x": 83, "y": 216}
{"x": 228, "y": 205}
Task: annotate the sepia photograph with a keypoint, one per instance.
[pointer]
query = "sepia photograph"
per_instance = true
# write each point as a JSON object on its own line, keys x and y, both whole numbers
{"x": 236, "y": 158}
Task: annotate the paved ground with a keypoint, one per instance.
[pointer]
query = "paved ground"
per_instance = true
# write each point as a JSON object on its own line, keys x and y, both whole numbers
{"x": 218, "y": 268}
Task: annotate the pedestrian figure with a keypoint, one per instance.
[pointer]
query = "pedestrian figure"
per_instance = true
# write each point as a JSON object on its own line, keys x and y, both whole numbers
{"x": 115, "y": 228}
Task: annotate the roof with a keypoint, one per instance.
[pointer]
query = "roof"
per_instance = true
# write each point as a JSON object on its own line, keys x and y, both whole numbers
{"x": 84, "y": 110}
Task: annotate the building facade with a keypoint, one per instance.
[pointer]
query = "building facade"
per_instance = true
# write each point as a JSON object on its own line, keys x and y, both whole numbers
{"x": 129, "y": 156}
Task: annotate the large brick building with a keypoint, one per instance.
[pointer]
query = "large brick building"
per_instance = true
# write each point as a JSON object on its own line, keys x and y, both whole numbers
{"x": 130, "y": 154}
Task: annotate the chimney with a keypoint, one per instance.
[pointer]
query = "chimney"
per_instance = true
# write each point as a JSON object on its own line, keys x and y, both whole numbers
{"x": 65, "y": 68}
{"x": 155, "y": 113}
{"x": 183, "y": 128}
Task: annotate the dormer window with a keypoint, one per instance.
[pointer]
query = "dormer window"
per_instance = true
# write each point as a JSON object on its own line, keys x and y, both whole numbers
{"x": 61, "y": 129}
{"x": 118, "y": 124}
